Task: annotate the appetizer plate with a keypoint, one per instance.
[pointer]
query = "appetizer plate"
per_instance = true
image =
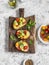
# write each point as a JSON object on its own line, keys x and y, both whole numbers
{"x": 22, "y": 36}
{"x": 44, "y": 42}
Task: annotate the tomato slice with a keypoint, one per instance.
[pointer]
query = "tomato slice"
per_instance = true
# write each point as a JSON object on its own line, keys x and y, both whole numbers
{"x": 17, "y": 19}
{"x": 17, "y": 33}
{"x": 25, "y": 31}
{"x": 46, "y": 30}
{"x": 19, "y": 48}
{"x": 25, "y": 47}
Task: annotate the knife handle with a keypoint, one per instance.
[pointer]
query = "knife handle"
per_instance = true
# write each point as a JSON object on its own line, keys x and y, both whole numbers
{"x": 21, "y": 12}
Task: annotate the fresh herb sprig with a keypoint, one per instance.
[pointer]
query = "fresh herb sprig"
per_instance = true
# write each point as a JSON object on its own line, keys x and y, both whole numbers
{"x": 12, "y": 37}
{"x": 30, "y": 23}
{"x": 31, "y": 41}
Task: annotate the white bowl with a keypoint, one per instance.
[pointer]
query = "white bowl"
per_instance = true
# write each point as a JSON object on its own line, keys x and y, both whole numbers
{"x": 26, "y": 60}
{"x": 40, "y": 37}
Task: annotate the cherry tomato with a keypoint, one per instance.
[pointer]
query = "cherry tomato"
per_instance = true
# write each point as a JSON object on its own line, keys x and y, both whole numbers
{"x": 45, "y": 39}
{"x": 42, "y": 32}
{"x": 48, "y": 36}
{"x": 48, "y": 26}
{"x": 17, "y": 19}
{"x": 25, "y": 47}
{"x": 25, "y": 31}
{"x": 19, "y": 48}
{"x": 46, "y": 30}
{"x": 17, "y": 33}
{"x": 43, "y": 35}
{"x": 43, "y": 27}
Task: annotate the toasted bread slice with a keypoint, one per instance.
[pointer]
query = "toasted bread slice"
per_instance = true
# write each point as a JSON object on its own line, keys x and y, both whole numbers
{"x": 19, "y": 22}
{"x": 22, "y": 46}
{"x": 23, "y": 34}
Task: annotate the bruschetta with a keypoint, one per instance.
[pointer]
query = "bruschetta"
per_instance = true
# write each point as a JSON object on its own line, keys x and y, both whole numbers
{"x": 19, "y": 22}
{"x": 23, "y": 34}
{"x": 22, "y": 46}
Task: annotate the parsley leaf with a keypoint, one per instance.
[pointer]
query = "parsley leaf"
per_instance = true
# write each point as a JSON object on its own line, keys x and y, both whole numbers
{"x": 12, "y": 37}
{"x": 31, "y": 41}
{"x": 30, "y": 24}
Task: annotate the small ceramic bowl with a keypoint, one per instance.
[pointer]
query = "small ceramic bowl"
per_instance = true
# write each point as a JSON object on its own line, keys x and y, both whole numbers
{"x": 40, "y": 37}
{"x": 26, "y": 60}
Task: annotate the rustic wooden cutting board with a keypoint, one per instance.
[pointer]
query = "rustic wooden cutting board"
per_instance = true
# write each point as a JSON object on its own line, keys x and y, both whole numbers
{"x": 32, "y": 32}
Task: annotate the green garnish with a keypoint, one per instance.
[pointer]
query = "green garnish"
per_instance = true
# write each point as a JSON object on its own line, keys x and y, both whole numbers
{"x": 31, "y": 41}
{"x": 30, "y": 24}
{"x": 21, "y": 44}
{"x": 12, "y": 37}
{"x": 21, "y": 34}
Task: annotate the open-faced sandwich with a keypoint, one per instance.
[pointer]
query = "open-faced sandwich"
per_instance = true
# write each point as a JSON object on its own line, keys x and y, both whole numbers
{"x": 22, "y": 46}
{"x": 19, "y": 22}
{"x": 23, "y": 34}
